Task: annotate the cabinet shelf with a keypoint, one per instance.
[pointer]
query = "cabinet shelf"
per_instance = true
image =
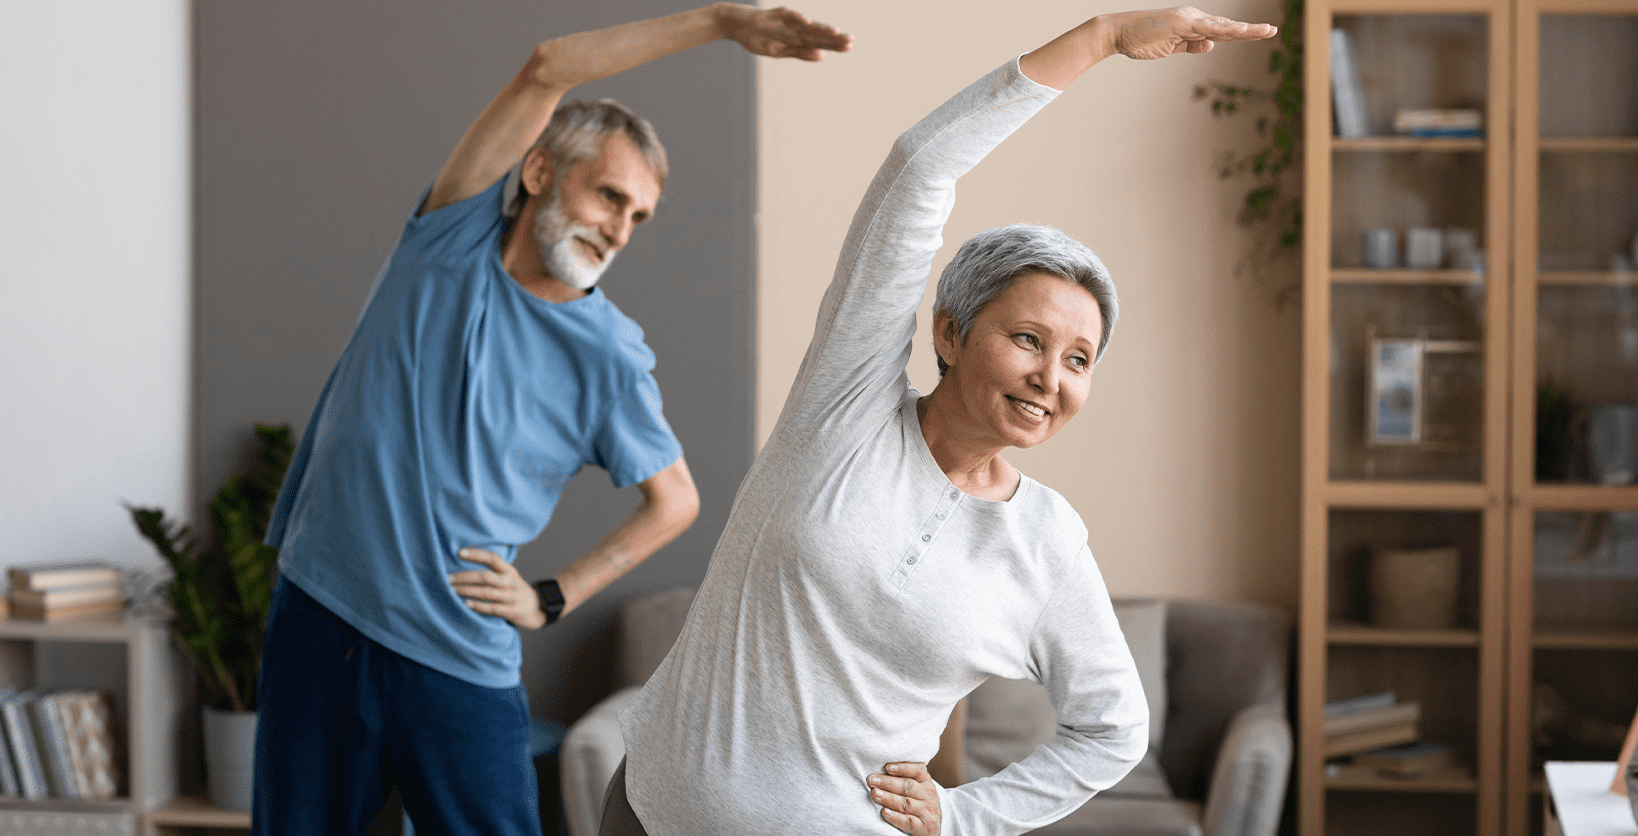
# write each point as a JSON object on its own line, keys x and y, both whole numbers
{"x": 1351, "y": 633}
{"x": 1408, "y": 143}
{"x": 1559, "y": 639}
{"x": 186, "y": 811}
{"x": 1590, "y": 144}
{"x": 53, "y": 805}
{"x": 1583, "y": 497}
{"x": 1407, "y": 495}
{"x": 1355, "y": 275}
{"x": 1587, "y": 278}
{"x": 1347, "y": 777}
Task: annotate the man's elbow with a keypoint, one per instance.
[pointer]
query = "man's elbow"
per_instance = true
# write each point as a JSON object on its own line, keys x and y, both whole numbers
{"x": 545, "y": 67}
{"x": 675, "y": 499}
{"x": 683, "y": 507}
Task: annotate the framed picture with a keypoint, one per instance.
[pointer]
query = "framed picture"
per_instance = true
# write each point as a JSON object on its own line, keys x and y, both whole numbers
{"x": 1395, "y": 403}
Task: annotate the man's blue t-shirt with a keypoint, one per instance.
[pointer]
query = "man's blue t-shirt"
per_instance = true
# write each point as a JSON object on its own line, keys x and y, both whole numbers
{"x": 460, "y": 407}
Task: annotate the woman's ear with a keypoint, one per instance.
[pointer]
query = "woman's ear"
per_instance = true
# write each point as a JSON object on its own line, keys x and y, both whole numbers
{"x": 538, "y": 171}
{"x": 946, "y": 336}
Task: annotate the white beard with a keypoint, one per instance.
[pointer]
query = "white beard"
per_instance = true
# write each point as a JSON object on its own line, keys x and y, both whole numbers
{"x": 560, "y": 254}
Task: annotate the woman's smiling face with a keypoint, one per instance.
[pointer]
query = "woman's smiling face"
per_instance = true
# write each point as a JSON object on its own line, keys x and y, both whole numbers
{"x": 1024, "y": 369}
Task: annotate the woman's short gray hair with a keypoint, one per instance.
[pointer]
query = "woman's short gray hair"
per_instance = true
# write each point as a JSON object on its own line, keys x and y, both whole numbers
{"x": 990, "y": 261}
{"x": 578, "y": 129}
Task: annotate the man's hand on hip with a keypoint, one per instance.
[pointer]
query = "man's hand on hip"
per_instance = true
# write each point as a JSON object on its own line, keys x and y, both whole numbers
{"x": 498, "y": 590}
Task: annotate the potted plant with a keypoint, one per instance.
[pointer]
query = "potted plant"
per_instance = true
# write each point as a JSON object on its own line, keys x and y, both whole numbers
{"x": 221, "y": 592}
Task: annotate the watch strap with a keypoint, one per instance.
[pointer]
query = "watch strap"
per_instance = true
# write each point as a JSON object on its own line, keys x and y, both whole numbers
{"x": 551, "y": 599}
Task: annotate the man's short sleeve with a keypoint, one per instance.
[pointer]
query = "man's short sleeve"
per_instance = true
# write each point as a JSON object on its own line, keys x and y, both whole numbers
{"x": 462, "y": 227}
{"x": 635, "y": 441}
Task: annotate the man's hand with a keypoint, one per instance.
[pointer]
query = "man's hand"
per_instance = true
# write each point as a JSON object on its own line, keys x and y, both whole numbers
{"x": 908, "y": 798}
{"x": 498, "y": 590}
{"x": 779, "y": 33}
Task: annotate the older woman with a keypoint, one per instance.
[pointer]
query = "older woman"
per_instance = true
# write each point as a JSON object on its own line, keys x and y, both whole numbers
{"x": 882, "y": 557}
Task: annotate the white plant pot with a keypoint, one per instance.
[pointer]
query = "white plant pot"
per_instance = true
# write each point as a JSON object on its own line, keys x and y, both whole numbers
{"x": 230, "y": 757}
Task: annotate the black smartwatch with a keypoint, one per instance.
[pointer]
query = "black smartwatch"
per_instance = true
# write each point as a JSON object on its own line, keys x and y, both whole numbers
{"x": 551, "y": 599}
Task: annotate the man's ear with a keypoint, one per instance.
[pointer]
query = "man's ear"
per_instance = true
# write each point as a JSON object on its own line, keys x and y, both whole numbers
{"x": 538, "y": 171}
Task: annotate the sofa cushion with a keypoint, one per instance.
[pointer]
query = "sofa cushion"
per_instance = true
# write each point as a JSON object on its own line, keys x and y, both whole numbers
{"x": 1008, "y": 718}
{"x": 649, "y": 627}
{"x": 1120, "y": 816}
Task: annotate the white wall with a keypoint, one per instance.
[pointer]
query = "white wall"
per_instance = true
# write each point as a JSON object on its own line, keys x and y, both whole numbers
{"x": 1184, "y": 460}
{"x": 94, "y": 273}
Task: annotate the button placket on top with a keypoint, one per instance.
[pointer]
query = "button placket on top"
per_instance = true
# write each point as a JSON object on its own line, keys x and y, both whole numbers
{"x": 921, "y": 542}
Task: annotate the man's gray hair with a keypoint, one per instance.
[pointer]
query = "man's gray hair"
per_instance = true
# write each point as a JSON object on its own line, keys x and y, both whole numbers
{"x": 990, "y": 261}
{"x": 578, "y": 129}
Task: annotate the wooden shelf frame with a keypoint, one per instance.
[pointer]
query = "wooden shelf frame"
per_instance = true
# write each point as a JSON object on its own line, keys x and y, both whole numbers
{"x": 1322, "y": 496}
{"x": 151, "y": 696}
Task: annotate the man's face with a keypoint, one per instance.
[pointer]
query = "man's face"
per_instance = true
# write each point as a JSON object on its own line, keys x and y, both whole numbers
{"x": 591, "y": 210}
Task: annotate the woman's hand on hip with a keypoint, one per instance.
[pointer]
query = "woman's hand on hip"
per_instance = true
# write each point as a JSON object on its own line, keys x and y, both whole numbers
{"x": 498, "y": 590}
{"x": 908, "y": 797}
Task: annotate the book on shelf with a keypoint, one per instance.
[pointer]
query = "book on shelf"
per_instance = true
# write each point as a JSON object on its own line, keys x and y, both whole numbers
{"x": 1364, "y": 740}
{"x": 1408, "y": 760}
{"x": 1456, "y": 122}
{"x": 71, "y": 611}
{"x": 54, "y": 758}
{"x": 1347, "y": 87}
{"x": 1364, "y": 702}
{"x": 38, "y": 576}
{"x": 25, "y": 751}
{"x": 9, "y": 788}
{"x": 86, "y": 717}
{"x": 1391, "y": 715}
{"x": 95, "y": 592}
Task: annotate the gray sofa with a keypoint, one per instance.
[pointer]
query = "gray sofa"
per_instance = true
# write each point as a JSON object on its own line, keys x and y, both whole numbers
{"x": 1215, "y": 674}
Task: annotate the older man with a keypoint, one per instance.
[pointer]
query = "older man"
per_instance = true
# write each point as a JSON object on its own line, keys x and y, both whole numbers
{"x": 484, "y": 372}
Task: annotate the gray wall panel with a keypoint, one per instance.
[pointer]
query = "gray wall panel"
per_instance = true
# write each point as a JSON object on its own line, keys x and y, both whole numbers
{"x": 318, "y": 124}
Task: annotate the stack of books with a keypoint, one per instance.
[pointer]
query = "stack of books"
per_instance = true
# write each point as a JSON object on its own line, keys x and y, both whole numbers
{"x": 51, "y": 591}
{"x": 1370, "y": 722}
{"x": 1439, "y": 122}
{"x": 57, "y": 744}
{"x": 1409, "y": 760}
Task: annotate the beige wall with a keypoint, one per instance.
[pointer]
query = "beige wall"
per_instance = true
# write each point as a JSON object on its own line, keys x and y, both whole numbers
{"x": 1184, "y": 460}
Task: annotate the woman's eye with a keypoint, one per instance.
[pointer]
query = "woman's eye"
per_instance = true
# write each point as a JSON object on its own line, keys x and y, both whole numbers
{"x": 1025, "y": 339}
{"x": 1078, "y": 362}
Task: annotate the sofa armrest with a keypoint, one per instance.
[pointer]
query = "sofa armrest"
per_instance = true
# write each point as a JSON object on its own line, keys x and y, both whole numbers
{"x": 1248, "y": 783}
{"x": 592, "y": 750}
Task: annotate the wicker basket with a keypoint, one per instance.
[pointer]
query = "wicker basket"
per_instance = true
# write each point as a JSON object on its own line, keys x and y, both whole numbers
{"x": 1415, "y": 589}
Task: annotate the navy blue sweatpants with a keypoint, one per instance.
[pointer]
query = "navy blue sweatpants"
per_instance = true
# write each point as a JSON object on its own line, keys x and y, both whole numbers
{"x": 342, "y": 719}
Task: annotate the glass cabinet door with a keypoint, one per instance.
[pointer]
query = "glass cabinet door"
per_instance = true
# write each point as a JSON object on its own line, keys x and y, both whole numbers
{"x": 1410, "y": 301}
{"x": 1574, "y": 597}
{"x": 1415, "y": 314}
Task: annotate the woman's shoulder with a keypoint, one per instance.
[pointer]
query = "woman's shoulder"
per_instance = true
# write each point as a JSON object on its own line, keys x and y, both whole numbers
{"x": 1046, "y": 510}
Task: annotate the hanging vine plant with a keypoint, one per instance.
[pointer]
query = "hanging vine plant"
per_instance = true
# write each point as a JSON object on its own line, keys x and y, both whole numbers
{"x": 1272, "y": 206}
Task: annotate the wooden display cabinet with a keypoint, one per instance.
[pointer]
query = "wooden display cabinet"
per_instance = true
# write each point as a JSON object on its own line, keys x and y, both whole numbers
{"x": 1510, "y": 435}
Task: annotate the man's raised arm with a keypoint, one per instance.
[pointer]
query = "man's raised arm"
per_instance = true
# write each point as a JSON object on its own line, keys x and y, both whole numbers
{"x": 515, "y": 118}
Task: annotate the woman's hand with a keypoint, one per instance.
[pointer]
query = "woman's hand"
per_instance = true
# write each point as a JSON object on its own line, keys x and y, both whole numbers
{"x": 779, "y": 33}
{"x": 498, "y": 590}
{"x": 1148, "y": 34}
{"x": 908, "y": 797}
{"x": 1163, "y": 32}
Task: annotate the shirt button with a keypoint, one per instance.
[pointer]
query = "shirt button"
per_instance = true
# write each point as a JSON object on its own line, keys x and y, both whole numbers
{"x": 941, "y": 516}
{"x": 926, "y": 537}
{"x": 954, "y": 494}
{"x": 911, "y": 560}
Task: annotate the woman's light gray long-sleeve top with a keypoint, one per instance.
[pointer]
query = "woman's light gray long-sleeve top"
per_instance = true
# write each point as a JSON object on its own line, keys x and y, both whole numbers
{"x": 856, "y": 594}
